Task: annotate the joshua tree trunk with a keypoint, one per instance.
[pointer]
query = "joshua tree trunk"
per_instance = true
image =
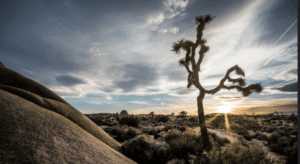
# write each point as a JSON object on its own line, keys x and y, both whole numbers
{"x": 205, "y": 141}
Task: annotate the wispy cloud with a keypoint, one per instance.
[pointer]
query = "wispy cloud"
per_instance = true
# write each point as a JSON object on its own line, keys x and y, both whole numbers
{"x": 138, "y": 102}
{"x": 175, "y": 7}
{"x": 278, "y": 41}
{"x": 108, "y": 98}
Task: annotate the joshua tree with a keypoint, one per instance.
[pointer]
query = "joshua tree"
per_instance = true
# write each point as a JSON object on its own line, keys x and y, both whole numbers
{"x": 193, "y": 77}
{"x": 182, "y": 114}
{"x": 172, "y": 114}
{"x": 152, "y": 114}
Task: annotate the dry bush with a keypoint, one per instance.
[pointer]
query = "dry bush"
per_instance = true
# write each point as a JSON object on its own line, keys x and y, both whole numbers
{"x": 142, "y": 151}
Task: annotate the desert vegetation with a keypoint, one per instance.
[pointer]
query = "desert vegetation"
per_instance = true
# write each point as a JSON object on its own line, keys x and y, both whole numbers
{"x": 167, "y": 139}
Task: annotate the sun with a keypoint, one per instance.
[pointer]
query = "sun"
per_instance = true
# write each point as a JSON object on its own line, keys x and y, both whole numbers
{"x": 224, "y": 109}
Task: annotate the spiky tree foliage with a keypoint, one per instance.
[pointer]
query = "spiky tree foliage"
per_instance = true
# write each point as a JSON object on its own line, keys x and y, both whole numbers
{"x": 193, "y": 77}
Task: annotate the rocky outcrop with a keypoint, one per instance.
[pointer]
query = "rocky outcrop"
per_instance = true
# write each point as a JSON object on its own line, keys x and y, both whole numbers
{"x": 38, "y": 126}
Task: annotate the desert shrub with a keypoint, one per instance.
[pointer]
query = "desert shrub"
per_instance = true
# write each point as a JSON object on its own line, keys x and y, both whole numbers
{"x": 144, "y": 119}
{"x": 130, "y": 121}
{"x": 293, "y": 132}
{"x": 163, "y": 119}
{"x": 172, "y": 134}
{"x": 185, "y": 144}
{"x": 160, "y": 154}
{"x": 289, "y": 121}
{"x": 182, "y": 128}
{"x": 239, "y": 130}
{"x": 159, "y": 124}
{"x": 168, "y": 126}
{"x": 218, "y": 122}
{"x": 273, "y": 138}
{"x": 242, "y": 141}
{"x": 98, "y": 121}
{"x": 131, "y": 132}
{"x": 156, "y": 135}
{"x": 283, "y": 143}
{"x": 235, "y": 154}
{"x": 189, "y": 130}
{"x": 114, "y": 130}
{"x": 182, "y": 144}
{"x": 283, "y": 133}
{"x": 247, "y": 136}
{"x": 154, "y": 132}
{"x": 270, "y": 129}
{"x": 138, "y": 149}
{"x": 267, "y": 120}
{"x": 285, "y": 146}
{"x": 260, "y": 136}
{"x": 219, "y": 141}
{"x": 193, "y": 119}
{"x": 288, "y": 129}
{"x": 142, "y": 151}
{"x": 122, "y": 134}
{"x": 274, "y": 118}
{"x": 292, "y": 153}
{"x": 215, "y": 156}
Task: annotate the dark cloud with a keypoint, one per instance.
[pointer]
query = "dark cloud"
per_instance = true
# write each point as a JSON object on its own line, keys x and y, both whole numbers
{"x": 68, "y": 80}
{"x": 293, "y": 72}
{"x": 227, "y": 97}
{"x": 154, "y": 90}
{"x": 274, "y": 82}
{"x": 292, "y": 87}
{"x": 139, "y": 74}
{"x": 30, "y": 29}
{"x": 216, "y": 76}
{"x": 184, "y": 91}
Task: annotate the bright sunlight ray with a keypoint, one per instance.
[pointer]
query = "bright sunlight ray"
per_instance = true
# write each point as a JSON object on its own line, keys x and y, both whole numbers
{"x": 228, "y": 131}
{"x": 211, "y": 119}
{"x": 226, "y": 108}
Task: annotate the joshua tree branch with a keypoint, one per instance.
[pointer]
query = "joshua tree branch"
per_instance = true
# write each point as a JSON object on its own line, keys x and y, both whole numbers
{"x": 240, "y": 81}
{"x": 221, "y": 84}
{"x": 201, "y": 56}
{"x": 246, "y": 91}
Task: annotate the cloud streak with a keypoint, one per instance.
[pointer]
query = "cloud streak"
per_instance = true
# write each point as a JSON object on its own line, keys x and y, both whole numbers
{"x": 279, "y": 40}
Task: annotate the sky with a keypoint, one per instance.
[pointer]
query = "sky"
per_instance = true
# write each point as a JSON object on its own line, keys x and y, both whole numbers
{"x": 108, "y": 56}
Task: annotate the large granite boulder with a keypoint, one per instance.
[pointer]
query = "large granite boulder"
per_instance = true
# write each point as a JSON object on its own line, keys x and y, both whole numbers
{"x": 38, "y": 126}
